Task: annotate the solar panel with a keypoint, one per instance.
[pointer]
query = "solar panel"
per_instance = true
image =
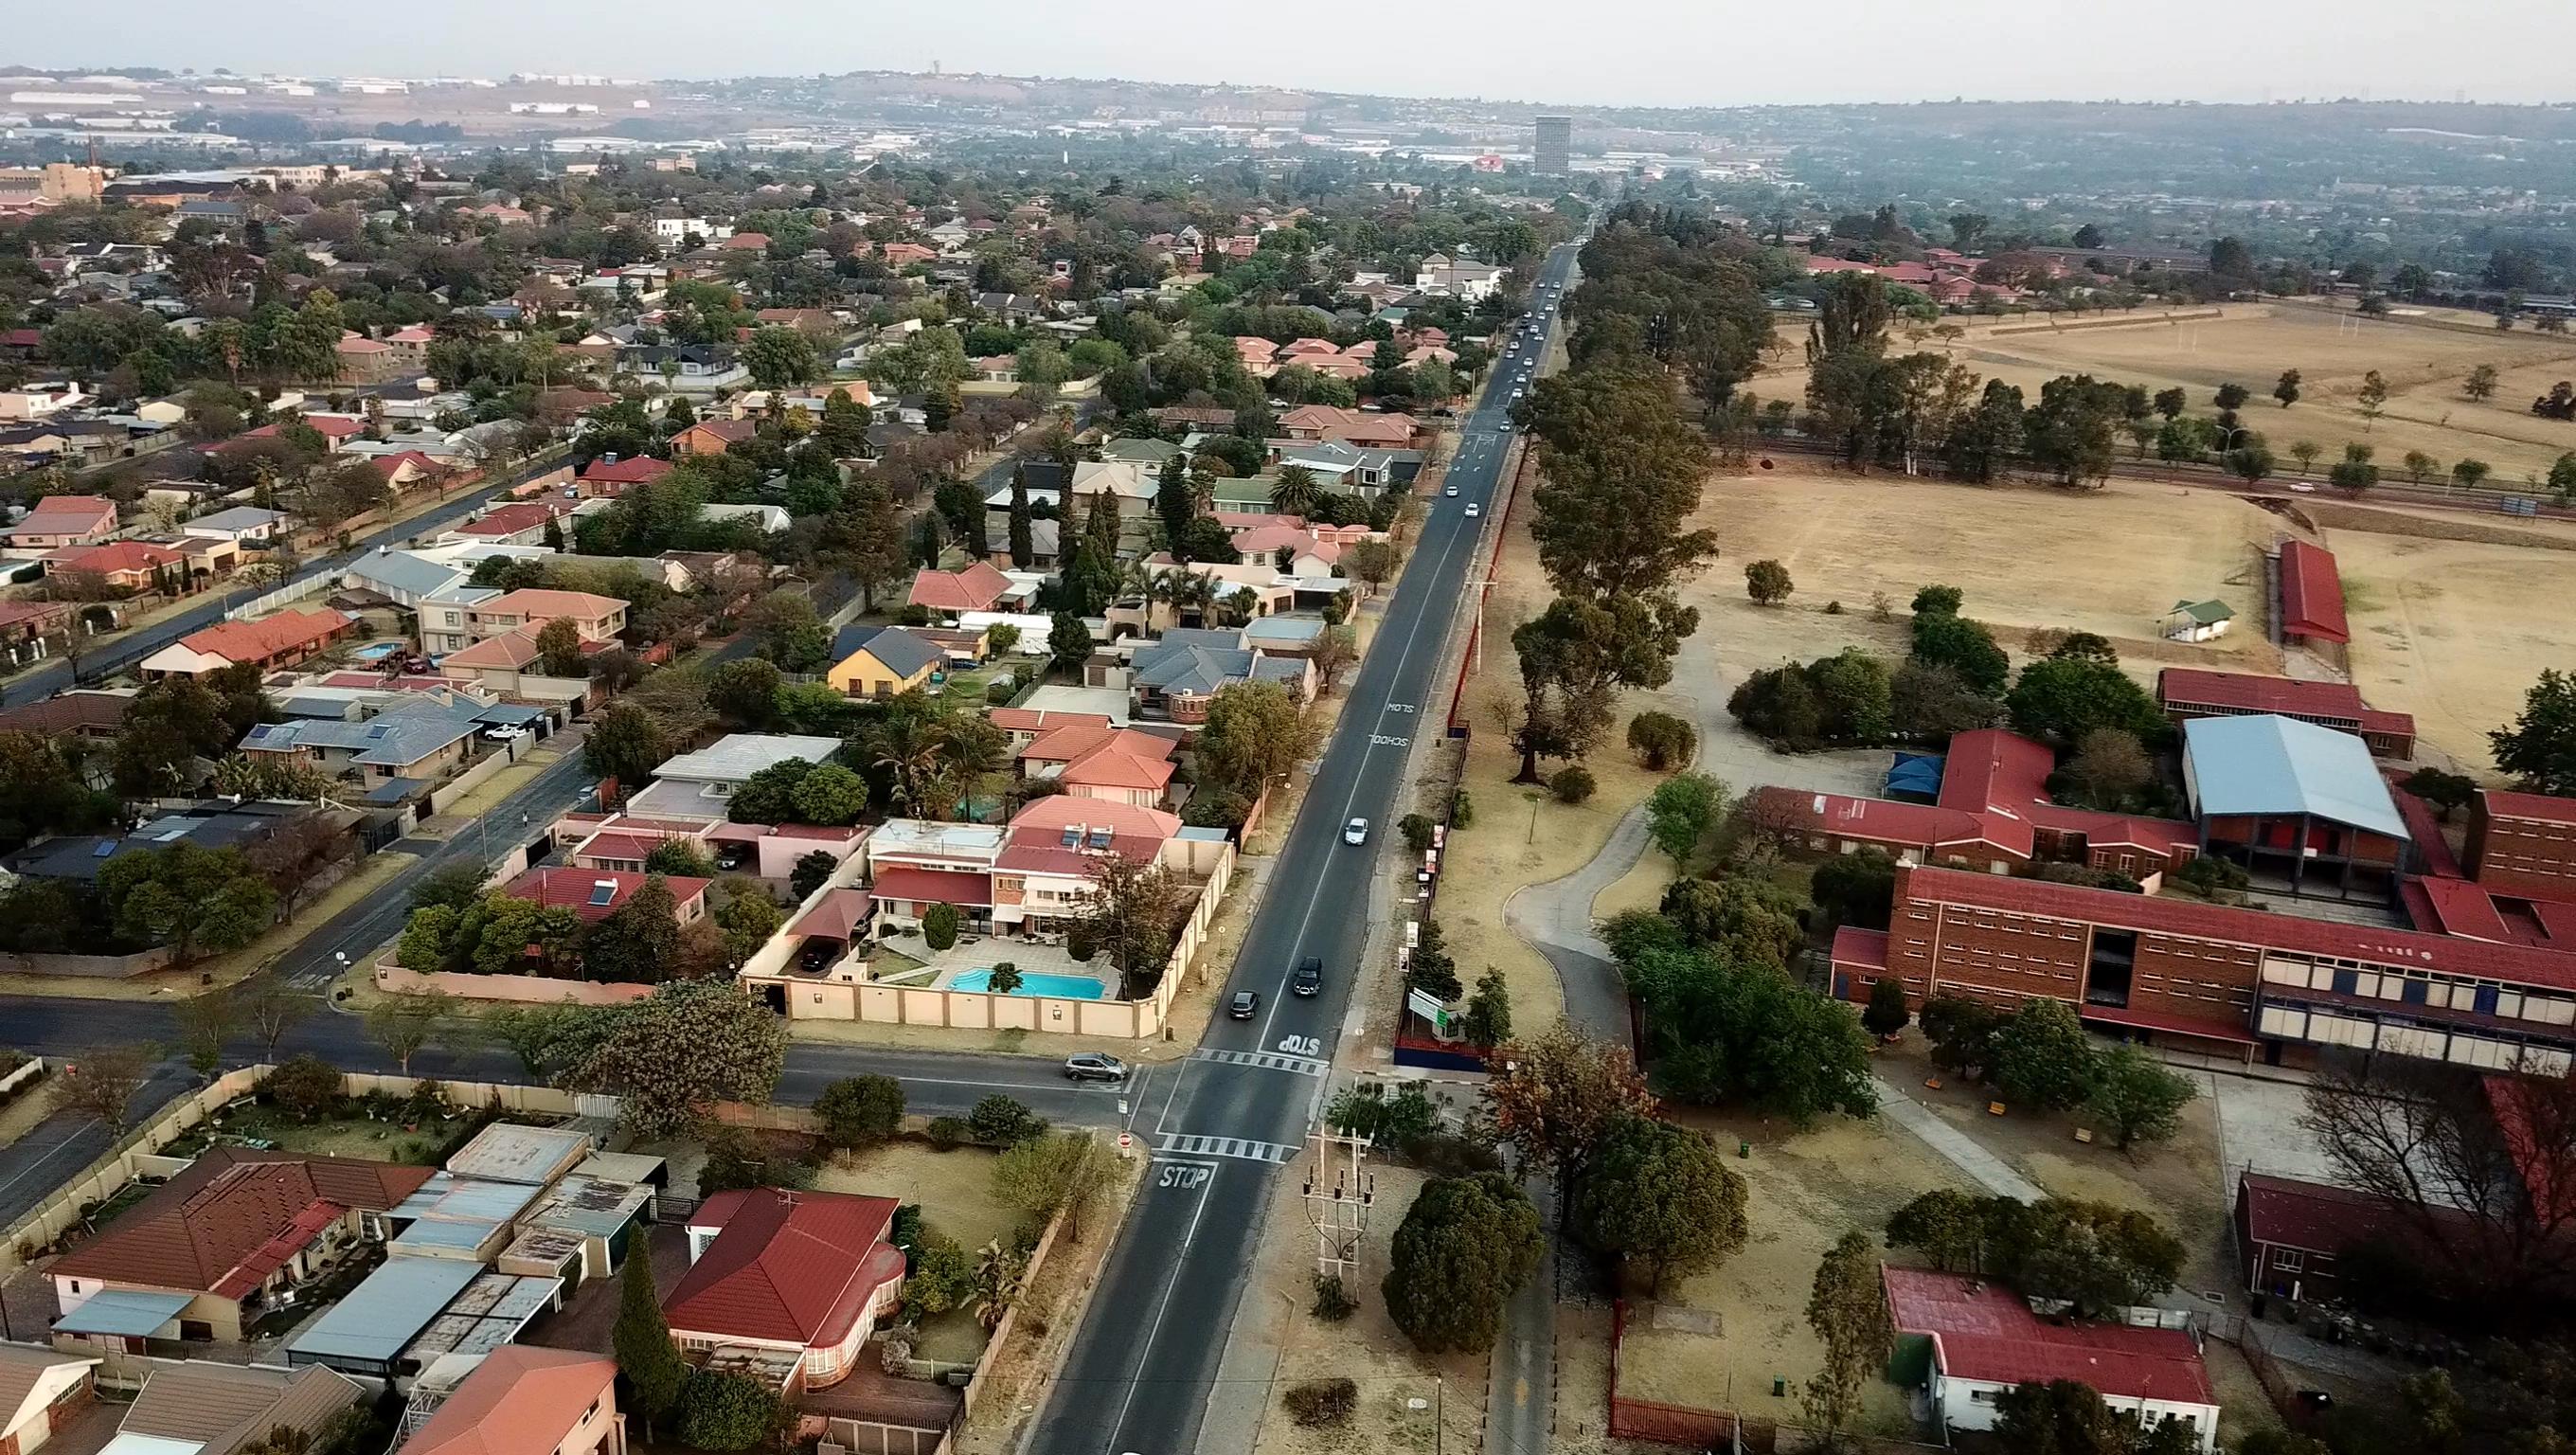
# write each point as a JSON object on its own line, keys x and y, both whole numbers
{"x": 102, "y": 848}
{"x": 603, "y": 891}
{"x": 1100, "y": 838}
{"x": 1073, "y": 838}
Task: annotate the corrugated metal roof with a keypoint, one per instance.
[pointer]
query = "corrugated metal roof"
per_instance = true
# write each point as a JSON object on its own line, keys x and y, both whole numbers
{"x": 384, "y": 1312}
{"x": 2281, "y": 765}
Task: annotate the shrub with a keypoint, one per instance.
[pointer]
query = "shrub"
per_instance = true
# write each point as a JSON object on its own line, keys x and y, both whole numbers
{"x": 1333, "y": 1303}
{"x": 1834, "y": 608}
{"x": 305, "y": 1087}
{"x": 1416, "y": 830}
{"x": 1462, "y": 810}
{"x": 722, "y": 1410}
{"x": 858, "y": 1111}
{"x": 1000, "y": 1121}
{"x": 1318, "y": 1402}
{"x": 939, "y": 926}
{"x": 2210, "y": 876}
{"x": 998, "y": 692}
{"x": 1081, "y": 943}
{"x": 1572, "y": 784}
{"x": 1661, "y": 740}
{"x": 948, "y": 1133}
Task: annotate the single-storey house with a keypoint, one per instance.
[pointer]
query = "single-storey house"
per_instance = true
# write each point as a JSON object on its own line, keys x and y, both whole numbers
{"x": 267, "y": 642}
{"x": 798, "y": 1276}
{"x": 65, "y": 520}
{"x": 873, "y": 661}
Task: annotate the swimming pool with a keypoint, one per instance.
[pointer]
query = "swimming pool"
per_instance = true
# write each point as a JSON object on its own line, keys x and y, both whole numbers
{"x": 1035, "y": 982}
{"x": 376, "y": 651}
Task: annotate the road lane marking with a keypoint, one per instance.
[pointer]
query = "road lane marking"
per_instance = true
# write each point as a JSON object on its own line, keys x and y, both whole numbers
{"x": 1154, "y": 1330}
{"x": 1242, "y": 1149}
{"x": 1265, "y": 1060}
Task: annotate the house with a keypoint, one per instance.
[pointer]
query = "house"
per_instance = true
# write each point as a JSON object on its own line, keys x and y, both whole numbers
{"x": 267, "y": 642}
{"x": 206, "y": 1408}
{"x": 336, "y": 430}
{"x": 1461, "y": 278}
{"x": 1046, "y": 542}
{"x": 65, "y": 520}
{"x": 511, "y": 665}
{"x": 2292, "y": 1235}
{"x": 698, "y": 785}
{"x": 215, "y": 824}
{"x": 595, "y": 894}
{"x": 597, "y": 618}
{"x": 525, "y": 1400}
{"x": 364, "y": 360}
{"x": 1178, "y": 675}
{"x": 125, "y": 565}
{"x": 424, "y": 744}
{"x": 801, "y": 1277}
{"x": 881, "y": 661}
{"x": 41, "y": 1393}
{"x": 242, "y": 523}
{"x": 2188, "y": 692}
{"x": 234, "y": 1231}
{"x": 2197, "y": 621}
{"x": 713, "y": 436}
{"x": 1963, "y": 1342}
{"x": 1125, "y": 480}
{"x": 1148, "y": 453}
{"x": 1307, "y": 555}
{"x": 1119, "y": 765}
{"x": 406, "y": 578}
{"x": 979, "y": 587}
{"x": 524, "y": 523}
{"x": 1357, "y": 428}
{"x": 766, "y": 519}
{"x": 609, "y": 477}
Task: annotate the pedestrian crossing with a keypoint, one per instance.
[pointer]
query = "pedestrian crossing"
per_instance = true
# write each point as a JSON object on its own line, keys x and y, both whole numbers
{"x": 1243, "y": 1149}
{"x": 1266, "y": 1060}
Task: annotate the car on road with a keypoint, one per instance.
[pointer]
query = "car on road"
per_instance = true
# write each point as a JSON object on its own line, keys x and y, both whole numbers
{"x": 1309, "y": 977}
{"x": 1092, "y": 1066}
{"x": 1472, "y": 511}
{"x": 1516, "y": 393}
{"x": 1452, "y": 492}
{"x": 1244, "y": 1004}
{"x": 2303, "y": 487}
{"x": 1356, "y": 831}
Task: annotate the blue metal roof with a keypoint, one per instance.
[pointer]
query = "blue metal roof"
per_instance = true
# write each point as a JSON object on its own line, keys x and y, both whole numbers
{"x": 2281, "y": 765}
{"x": 130, "y": 1313}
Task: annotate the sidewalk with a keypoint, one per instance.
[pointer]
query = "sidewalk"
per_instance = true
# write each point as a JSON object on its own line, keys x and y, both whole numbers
{"x": 1955, "y": 1147}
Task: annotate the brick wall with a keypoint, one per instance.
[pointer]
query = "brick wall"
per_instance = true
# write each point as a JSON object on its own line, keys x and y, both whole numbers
{"x": 2521, "y": 858}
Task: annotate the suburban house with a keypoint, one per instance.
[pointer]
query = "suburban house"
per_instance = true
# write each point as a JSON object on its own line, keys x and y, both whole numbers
{"x": 423, "y": 742}
{"x": 41, "y": 1393}
{"x": 608, "y": 477}
{"x": 880, "y": 661}
{"x": 524, "y": 523}
{"x": 526, "y": 1400}
{"x": 267, "y": 643}
{"x": 243, "y": 523}
{"x": 700, "y": 786}
{"x": 1120, "y": 765}
{"x": 125, "y": 565}
{"x": 230, "y": 1233}
{"x": 1176, "y": 676}
{"x": 1357, "y": 428}
{"x": 792, "y": 1282}
{"x": 979, "y": 587}
{"x": 1462, "y": 278}
{"x": 405, "y": 578}
{"x": 1962, "y": 1342}
{"x": 512, "y": 666}
{"x": 595, "y": 894}
{"x": 713, "y": 436}
{"x": 65, "y": 520}
{"x": 1030, "y": 876}
{"x": 1123, "y": 480}
{"x": 597, "y": 618}
{"x": 1338, "y": 464}
{"x": 221, "y": 1409}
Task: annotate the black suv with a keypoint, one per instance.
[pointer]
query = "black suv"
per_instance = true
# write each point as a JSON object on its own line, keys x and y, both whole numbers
{"x": 1309, "y": 979}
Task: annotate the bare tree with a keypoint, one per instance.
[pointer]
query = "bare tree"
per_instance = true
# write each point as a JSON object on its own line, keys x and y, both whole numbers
{"x": 205, "y": 1022}
{"x": 294, "y": 858}
{"x": 101, "y": 1082}
{"x": 270, "y": 1010}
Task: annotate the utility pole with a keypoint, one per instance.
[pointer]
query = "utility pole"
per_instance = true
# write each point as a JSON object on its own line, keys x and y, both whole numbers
{"x": 1338, "y": 1193}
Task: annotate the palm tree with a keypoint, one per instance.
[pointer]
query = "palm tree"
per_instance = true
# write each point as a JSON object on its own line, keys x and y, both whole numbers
{"x": 998, "y": 1276}
{"x": 1296, "y": 492}
{"x": 911, "y": 745}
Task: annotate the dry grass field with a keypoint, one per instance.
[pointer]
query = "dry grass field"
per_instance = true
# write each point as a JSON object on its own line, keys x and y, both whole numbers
{"x": 2424, "y": 355}
{"x": 2111, "y": 561}
{"x": 2448, "y": 630}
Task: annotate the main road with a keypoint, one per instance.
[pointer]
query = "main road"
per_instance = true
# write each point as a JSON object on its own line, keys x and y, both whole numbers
{"x": 1224, "y": 1128}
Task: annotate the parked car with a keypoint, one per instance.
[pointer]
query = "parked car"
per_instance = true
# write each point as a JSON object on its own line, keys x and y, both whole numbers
{"x": 1309, "y": 977}
{"x": 1356, "y": 831}
{"x": 501, "y": 732}
{"x": 1244, "y": 1004}
{"x": 1093, "y": 1066}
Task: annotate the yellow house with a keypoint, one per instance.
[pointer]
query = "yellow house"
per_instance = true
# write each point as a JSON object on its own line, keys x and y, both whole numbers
{"x": 880, "y": 661}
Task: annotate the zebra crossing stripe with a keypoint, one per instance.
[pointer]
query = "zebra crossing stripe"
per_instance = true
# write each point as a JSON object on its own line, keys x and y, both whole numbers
{"x": 1266, "y": 1060}
{"x": 1241, "y": 1149}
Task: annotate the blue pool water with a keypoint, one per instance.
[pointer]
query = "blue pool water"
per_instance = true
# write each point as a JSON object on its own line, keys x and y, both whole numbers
{"x": 1034, "y": 982}
{"x": 376, "y": 652}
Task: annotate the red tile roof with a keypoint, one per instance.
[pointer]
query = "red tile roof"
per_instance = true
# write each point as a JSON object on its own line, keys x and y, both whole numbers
{"x": 2315, "y": 1217}
{"x": 233, "y": 1217}
{"x": 633, "y": 470}
{"x": 1861, "y": 949}
{"x": 1985, "y": 1333}
{"x": 923, "y": 886}
{"x": 521, "y": 1400}
{"x": 1036, "y": 719}
{"x": 563, "y": 888}
{"x": 509, "y": 520}
{"x": 786, "y": 1267}
{"x": 256, "y": 641}
{"x": 2249, "y": 692}
{"x": 2539, "y": 807}
{"x": 835, "y": 916}
{"x": 2311, "y": 594}
{"x": 112, "y": 558}
{"x": 975, "y": 588}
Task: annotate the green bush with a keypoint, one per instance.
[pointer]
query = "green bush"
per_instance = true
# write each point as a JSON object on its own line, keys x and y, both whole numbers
{"x": 948, "y": 1133}
{"x": 1333, "y": 1303}
{"x": 1416, "y": 830}
{"x": 939, "y": 926}
{"x": 305, "y": 1087}
{"x": 722, "y": 1410}
{"x": 998, "y": 692}
{"x": 1661, "y": 740}
{"x": 1081, "y": 943}
{"x": 859, "y": 1111}
{"x": 1572, "y": 784}
{"x": 1000, "y": 1121}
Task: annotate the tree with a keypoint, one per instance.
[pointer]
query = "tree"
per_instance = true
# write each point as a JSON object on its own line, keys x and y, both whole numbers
{"x": 1489, "y": 1011}
{"x": 559, "y": 648}
{"x": 2447, "y": 792}
{"x": 1556, "y": 1096}
{"x": 296, "y": 857}
{"x": 1964, "y": 646}
{"x": 830, "y": 797}
{"x": 1767, "y": 582}
{"x": 1887, "y": 1012}
{"x": 407, "y": 1022}
{"x": 2480, "y": 383}
{"x": 939, "y": 926}
{"x": 860, "y": 1111}
{"x": 2305, "y": 452}
{"x": 205, "y": 1021}
{"x": 305, "y": 1087}
{"x": 2287, "y": 390}
{"x": 270, "y": 1010}
{"x": 866, "y": 535}
{"x": 1370, "y": 561}
{"x": 1254, "y": 735}
{"x": 672, "y": 1056}
{"x": 1848, "y": 1313}
{"x": 2109, "y": 765}
{"x": 1725, "y": 1023}
{"x": 723, "y": 1410}
{"x": 2042, "y": 1056}
{"x": 638, "y": 942}
{"x": 100, "y": 1084}
{"x": 1465, "y": 1246}
{"x": 778, "y": 357}
{"x": 744, "y": 692}
{"x": 2231, "y": 261}
{"x": 2469, "y": 474}
{"x": 2172, "y": 402}
{"x": 2251, "y": 461}
{"x": 188, "y": 898}
{"x": 641, "y": 1340}
{"x": 2373, "y": 397}
{"x": 2419, "y": 465}
{"x": 1661, "y": 740}
{"x": 1660, "y": 1197}
{"x": 1133, "y": 912}
{"x": 812, "y": 871}
{"x": 2062, "y": 699}
{"x": 680, "y": 857}
{"x": 1022, "y": 535}
{"x": 1042, "y": 1176}
{"x": 626, "y": 743}
{"x": 2137, "y": 1096}
{"x": 1621, "y": 472}
{"x": 2068, "y": 1417}
{"x": 2540, "y": 747}
{"x": 1296, "y": 492}
{"x": 1068, "y": 642}
{"x": 1857, "y": 889}
{"x": 1681, "y": 811}
{"x": 1335, "y": 650}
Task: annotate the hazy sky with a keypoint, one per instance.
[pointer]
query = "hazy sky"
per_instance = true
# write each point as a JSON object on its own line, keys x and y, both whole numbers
{"x": 1643, "y": 52}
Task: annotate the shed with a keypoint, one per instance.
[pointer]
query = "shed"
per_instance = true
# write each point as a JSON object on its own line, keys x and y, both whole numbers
{"x": 366, "y": 1332}
{"x": 2197, "y": 621}
{"x": 515, "y": 1152}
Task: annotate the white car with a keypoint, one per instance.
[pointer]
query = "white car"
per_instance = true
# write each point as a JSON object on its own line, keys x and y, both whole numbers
{"x": 1355, "y": 832}
{"x": 1516, "y": 394}
{"x": 1472, "y": 511}
{"x": 506, "y": 733}
{"x": 1451, "y": 492}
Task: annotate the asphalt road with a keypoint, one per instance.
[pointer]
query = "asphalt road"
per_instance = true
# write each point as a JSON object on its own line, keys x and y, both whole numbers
{"x": 55, "y": 675}
{"x": 1224, "y": 1128}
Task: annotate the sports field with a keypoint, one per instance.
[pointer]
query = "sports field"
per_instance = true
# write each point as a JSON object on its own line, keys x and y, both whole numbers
{"x": 2424, "y": 355}
{"x": 2453, "y": 631}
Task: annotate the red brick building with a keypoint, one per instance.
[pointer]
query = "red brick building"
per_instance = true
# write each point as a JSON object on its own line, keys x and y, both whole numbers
{"x": 2312, "y": 613}
{"x": 2523, "y": 845}
{"x": 2189, "y": 692}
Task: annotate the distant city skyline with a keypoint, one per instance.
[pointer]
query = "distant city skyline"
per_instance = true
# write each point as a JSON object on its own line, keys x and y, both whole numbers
{"x": 1607, "y": 53}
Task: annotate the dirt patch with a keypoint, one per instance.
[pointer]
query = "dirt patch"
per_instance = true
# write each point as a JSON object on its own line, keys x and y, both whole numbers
{"x": 955, "y": 1189}
{"x": 2445, "y": 630}
{"x": 1806, "y": 1188}
{"x": 2440, "y": 525}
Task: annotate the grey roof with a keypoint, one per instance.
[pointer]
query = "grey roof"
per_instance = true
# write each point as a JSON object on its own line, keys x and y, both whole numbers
{"x": 591, "y": 1206}
{"x": 239, "y": 517}
{"x": 391, "y": 740}
{"x": 446, "y": 1197}
{"x": 404, "y": 571}
{"x": 132, "y": 1313}
{"x": 734, "y": 757}
{"x": 1196, "y": 671}
{"x": 1142, "y": 451}
{"x": 383, "y": 1313}
{"x": 215, "y": 1409}
{"x": 1295, "y": 630}
{"x": 488, "y": 1314}
{"x": 2279, "y": 765}
{"x": 900, "y": 651}
{"x": 516, "y": 1152}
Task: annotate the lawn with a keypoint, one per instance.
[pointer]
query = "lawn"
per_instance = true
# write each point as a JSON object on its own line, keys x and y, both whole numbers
{"x": 360, "y": 1137}
{"x": 954, "y": 1189}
